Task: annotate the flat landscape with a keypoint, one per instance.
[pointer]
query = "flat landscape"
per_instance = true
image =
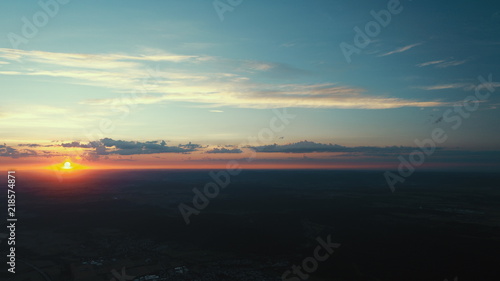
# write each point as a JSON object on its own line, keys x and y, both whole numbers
{"x": 94, "y": 224}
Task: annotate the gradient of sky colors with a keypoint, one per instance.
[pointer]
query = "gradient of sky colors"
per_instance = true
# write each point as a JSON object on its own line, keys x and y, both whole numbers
{"x": 153, "y": 71}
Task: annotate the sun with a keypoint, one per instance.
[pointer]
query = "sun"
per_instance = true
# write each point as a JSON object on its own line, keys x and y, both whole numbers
{"x": 67, "y": 166}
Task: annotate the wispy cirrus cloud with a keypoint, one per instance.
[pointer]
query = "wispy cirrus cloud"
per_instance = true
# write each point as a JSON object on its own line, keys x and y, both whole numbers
{"x": 430, "y": 63}
{"x": 245, "y": 95}
{"x": 451, "y": 63}
{"x": 442, "y": 63}
{"x": 446, "y": 86}
{"x": 463, "y": 86}
{"x": 93, "y": 61}
{"x": 192, "y": 79}
{"x": 33, "y": 112}
{"x": 400, "y": 50}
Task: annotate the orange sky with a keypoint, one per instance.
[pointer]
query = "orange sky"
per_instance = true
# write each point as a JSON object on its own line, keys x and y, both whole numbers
{"x": 200, "y": 161}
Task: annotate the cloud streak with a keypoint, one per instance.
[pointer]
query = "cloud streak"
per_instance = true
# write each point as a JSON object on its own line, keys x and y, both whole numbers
{"x": 244, "y": 95}
{"x": 442, "y": 63}
{"x": 447, "y": 86}
{"x": 93, "y": 61}
{"x": 183, "y": 83}
{"x": 400, "y": 50}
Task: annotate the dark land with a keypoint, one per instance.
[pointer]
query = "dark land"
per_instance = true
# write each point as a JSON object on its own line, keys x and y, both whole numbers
{"x": 435, "y": 226}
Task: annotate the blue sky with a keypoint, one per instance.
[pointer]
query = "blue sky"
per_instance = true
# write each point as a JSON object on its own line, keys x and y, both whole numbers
{"x": 174, "y": 70}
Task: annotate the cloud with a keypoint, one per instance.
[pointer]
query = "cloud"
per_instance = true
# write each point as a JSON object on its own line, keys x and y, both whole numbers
{"x": 30, "y": 145}
{"x": 255, "y": 65}
{"x": 122, "y": 147}
{"x": 262, "y": 96}
{"x": 451, "y": 63}
{"x": 92, "y": 61}
{"x": 182, "y": 83}
{"x": 8, "y": 151}
{"x": 447, "y": 86}
{"x": 29, "y": 116}
{"x": 430, "y": 63}
{"x": 309, "y": 147}
{"x": 270, "y": 69}
{"x": 92, "y": 151}
{"x": 34, "y": 112}
{"x": 108, "y": 146}
{"x": 224, "y": 150}
{"x": 400, "y": 50}
{"x": 442, "y": 63}
{"x": 80, "y": 145}
{"x": 190, "y": 145}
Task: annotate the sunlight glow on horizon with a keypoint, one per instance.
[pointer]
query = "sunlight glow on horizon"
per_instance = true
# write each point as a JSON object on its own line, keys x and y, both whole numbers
{"x": 66, "y": 166}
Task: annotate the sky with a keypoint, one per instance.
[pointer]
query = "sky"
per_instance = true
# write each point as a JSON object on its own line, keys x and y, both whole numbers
{"x": 271, "y": 84}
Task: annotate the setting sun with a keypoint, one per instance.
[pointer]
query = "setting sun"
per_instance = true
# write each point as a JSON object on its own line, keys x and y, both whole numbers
{"x": 66, "y": 166}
